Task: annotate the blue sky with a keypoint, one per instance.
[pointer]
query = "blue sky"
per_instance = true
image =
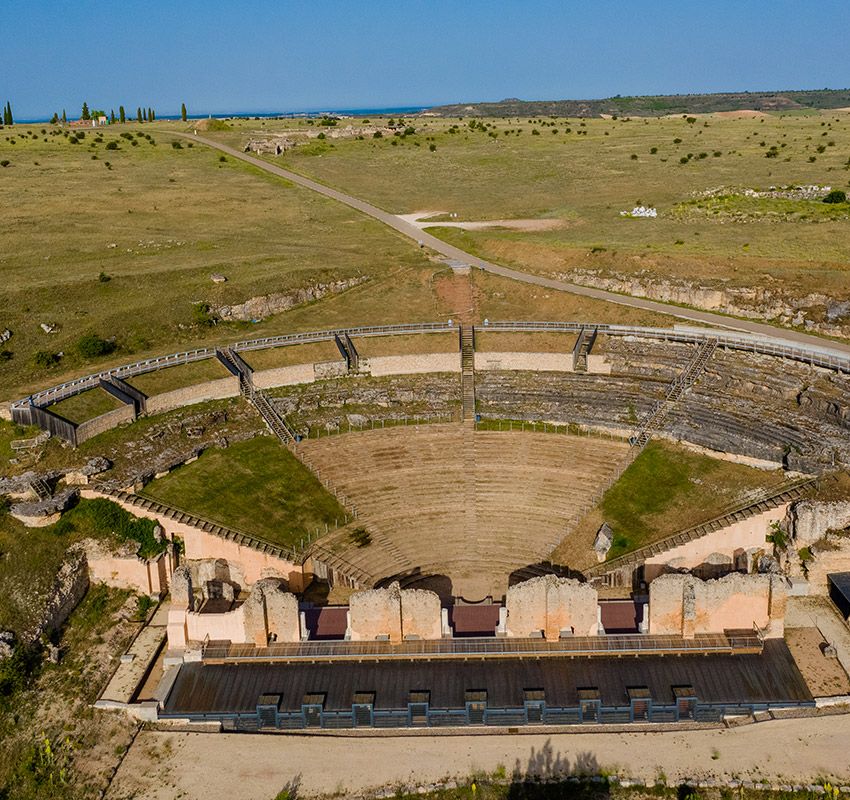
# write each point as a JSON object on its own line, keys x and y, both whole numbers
{"x": 230, "y": 55}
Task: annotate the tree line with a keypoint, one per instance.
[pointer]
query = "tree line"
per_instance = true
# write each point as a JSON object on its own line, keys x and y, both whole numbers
{"x": 142, "y": 115}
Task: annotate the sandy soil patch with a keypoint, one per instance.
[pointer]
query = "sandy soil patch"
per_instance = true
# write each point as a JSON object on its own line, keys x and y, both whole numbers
{"x": 194, "y": 765}
{"x": 421, "y": 220}
{"x": 825, "y": 676}
{"x": 744, "y": 113}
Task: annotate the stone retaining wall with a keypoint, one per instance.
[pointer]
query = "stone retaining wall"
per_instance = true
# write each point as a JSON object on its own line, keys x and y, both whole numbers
{"x": 199, "y": 544}
{"x": 218, "y": 389}
{"x": 722, "y": 547}
{"x": 284, "y": 376}
{"x": 421, "y": 363}
{"x": 105, "y": 422}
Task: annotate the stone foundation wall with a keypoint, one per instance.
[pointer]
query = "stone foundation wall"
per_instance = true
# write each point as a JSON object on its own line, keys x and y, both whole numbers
{"x": 268, "y": 614}
{"x": 130, "y": 572}
{"x": 682, "y": 605}
{"x": 550, "y": 605}
{"x": 218, "y": 389}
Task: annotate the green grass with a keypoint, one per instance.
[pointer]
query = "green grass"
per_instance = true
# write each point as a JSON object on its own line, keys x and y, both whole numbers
{"x": 30, "y": 557}
{"x": 774, "y": 209}
{"x": 86, "y": 405}
{"x": 256, "y": 486}
{"x": 170, "y": 378}
{"x": 668, "y": 488}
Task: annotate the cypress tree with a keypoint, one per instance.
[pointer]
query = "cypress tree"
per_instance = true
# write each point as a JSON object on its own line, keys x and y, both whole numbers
{"x": 6, "y": 114}
{"x": 139, "y": 113}
{"x": 54, "y": 119}
{"x": 64, "y": 117}
{"x": 144, "y": 115}
{"x": 121, "y": 116}
{"x": 153, "y": 115}
{"x": 150, "y": 114}
{"x": 85, "y": 113}
{"x": 11, "y": 118}
{"x": 183, "y": 112}
{"x": 112, "y": 117}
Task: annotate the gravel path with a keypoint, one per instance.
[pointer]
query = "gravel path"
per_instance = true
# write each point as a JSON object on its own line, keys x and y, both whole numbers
{"x": 162, "y": 766}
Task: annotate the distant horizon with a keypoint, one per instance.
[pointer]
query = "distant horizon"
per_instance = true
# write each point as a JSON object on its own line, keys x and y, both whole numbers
{"x": 357, "y": 111}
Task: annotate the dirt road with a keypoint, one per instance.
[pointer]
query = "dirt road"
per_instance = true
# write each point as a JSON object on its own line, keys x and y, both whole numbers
{"x": 428, "y": 240}
{"x": 252, "y": 767}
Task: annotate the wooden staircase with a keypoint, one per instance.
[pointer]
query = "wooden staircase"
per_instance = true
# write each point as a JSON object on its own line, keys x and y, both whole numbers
{"x": 467, "y": 364}
{"x": 687, "y": 378}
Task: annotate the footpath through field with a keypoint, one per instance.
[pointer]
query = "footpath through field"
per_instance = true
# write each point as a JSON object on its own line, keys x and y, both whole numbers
{"x": 426, "y": 239}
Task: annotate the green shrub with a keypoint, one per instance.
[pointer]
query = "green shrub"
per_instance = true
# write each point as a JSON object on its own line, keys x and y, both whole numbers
{"x": 45, "y": 359}
{"x": 377, "y": 135}
{"x": 202, "y": 315}
{"x": 177, "y": 145}
{"x": 5, "y": 162}
{"x": 432, "y": 147}
{"x": 105, "y": 518}
{"x": 836, "y": 196}
{"x": 222, "y": 159}
{"x": 93, "y": 346}
{"x": 112, "y": 145}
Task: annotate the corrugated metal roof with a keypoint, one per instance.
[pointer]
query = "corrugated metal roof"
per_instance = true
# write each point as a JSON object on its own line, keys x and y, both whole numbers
{"x": 770, "y": 677}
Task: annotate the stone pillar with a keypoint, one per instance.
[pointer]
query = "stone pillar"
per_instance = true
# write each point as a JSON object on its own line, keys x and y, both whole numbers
{"x": 776, "y": 606}
{"x": 376, "y": 613}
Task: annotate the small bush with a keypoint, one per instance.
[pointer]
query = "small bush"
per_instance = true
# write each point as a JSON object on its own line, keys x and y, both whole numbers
{"x": 45, "y": 359}
{"x": 836, "y": 196}
{"x": 104, "y": 278}
{"x": 177, "y": 145}
{"x": 222, "y": 159}
{"x": 377, "y": 135}
{"x": 6, "y": 355}
{"x": 5, "y": 162}
{"x": 432, "y": 147}
{"x": 633, "y": 157}
{"x": 360, "y": 537}
{"x": 202, "y": 315}
{"x": 93, "y": 346}
{"x": 653, "y": 150}
{"x": 112, "y": 145}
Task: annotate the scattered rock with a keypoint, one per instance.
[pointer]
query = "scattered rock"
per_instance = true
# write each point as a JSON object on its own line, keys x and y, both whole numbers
{"x": 5, "y": 336}
{"x": 39, "y": 513}
{"x": 7, "y": 644}
{"x": 218, "y": 278}
{"x": 604, "y": 540}
{"x": 258, "y": 308}
{"x": 48, "y": 327}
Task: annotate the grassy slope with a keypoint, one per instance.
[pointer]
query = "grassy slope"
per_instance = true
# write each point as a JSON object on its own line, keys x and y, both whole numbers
{"x": 257, "y": 486}
{"x": 666, "y": 489}
{"x": 585, "y": 180}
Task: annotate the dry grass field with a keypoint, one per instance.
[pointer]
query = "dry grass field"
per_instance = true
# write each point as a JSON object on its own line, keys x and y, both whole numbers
{"x": 157, "y": 222}
{"x": 584, "y": 172}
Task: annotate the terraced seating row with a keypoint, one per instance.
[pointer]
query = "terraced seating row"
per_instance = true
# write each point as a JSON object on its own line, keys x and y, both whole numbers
{"x": 459, "y": 502}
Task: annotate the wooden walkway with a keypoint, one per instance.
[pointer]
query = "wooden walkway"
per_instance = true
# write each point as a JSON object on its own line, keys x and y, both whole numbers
{"x": 730, "y": 643}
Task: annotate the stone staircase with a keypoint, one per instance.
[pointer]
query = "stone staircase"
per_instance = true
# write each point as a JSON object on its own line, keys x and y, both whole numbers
{"x": 785, "y": 493}
{"x": 689, "y": 375}
{"x": 467, "y": 363}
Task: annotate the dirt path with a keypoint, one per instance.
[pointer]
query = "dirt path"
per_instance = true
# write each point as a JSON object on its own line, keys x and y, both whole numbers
{"x": 425, "y": 239}
{"x": 252, "y": 767}
{"x": 421, "y": 219}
